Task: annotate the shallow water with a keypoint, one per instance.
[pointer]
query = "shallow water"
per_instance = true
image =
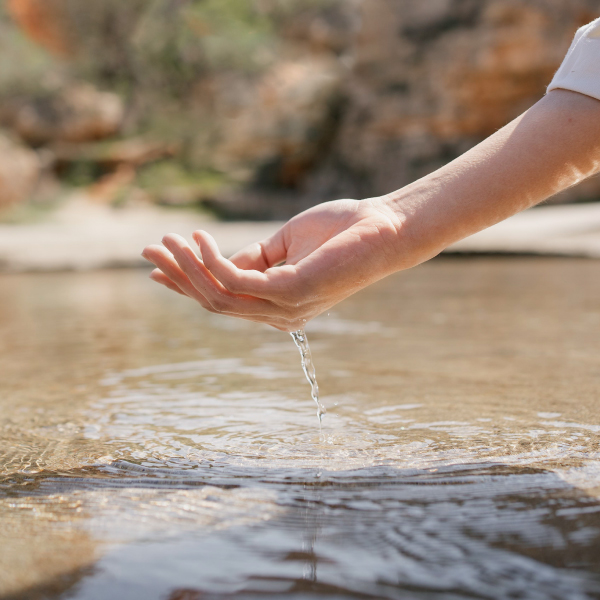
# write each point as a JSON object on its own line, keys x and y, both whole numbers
{"x": 149, "y": 450}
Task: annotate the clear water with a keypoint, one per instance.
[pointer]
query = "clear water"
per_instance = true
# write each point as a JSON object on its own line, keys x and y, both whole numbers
{"x": 301, "y": 340}
{"x": 150, "y": 451}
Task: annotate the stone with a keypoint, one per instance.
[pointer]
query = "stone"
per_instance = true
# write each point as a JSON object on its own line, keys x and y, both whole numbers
{"x": 412, "y": 84}
{"x": 274, "y": 135}
{"x": 431, "y": 79}
{"x": 46, "y": 22}
{"x": 77, "y": 113}
{"x": 20, "y": 170}
{"x": 75, "y": 29}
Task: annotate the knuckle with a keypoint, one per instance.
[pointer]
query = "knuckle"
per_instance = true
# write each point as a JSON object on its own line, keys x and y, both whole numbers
{"x": 231, "y": 285}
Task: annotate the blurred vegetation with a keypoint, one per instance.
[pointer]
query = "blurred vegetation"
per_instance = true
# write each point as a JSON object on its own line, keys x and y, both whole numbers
{"x": 250, "y": 106}
{"x": 160, "y": 58}
{"x": 25, "y": 67}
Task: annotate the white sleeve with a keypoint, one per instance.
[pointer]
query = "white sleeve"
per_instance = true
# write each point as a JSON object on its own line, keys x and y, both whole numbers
{"x": 580, "y": 70}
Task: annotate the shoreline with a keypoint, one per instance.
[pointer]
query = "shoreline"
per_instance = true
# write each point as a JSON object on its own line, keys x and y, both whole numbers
{"x": 83, "y": 235}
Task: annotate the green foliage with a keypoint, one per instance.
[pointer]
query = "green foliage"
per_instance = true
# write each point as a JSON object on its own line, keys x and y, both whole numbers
{"x": 168, "y": 182}
{"x": 82, "y": 173}
{"x": 168, "y": 46}
{"x": 31, "y": 212}
{"x": 162, "y": 57}
{"x": 234, "y": 34}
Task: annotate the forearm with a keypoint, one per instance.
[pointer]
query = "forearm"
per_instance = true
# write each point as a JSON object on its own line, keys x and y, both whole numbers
{"x": 549, "y": 148}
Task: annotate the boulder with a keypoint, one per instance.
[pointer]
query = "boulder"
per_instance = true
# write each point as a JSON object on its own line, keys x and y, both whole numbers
{"x": 46, "y": 22}
{"x": 78, "y": 113}
{"x": 20, "y": 170}
{"x": 431, "y": 79}
{"x": 73, "y": 29}
{"x": 385, "y": 92}
{"x": 275, "y": 130}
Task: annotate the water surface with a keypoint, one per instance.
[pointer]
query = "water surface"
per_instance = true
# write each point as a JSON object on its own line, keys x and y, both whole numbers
{"x": 149, "y": 450}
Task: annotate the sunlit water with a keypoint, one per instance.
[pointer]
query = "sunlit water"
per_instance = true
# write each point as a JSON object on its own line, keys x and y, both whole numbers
{"x": 151, "y": 451}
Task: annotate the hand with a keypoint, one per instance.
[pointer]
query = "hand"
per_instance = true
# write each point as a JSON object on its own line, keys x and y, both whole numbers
{"x": 318, "y": 258}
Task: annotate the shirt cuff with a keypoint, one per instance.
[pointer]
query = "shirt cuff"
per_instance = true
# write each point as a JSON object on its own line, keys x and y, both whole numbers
{"x": 580, "y": 70}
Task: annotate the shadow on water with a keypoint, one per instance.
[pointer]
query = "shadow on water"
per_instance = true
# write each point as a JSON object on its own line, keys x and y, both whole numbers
{"x": 465, "y": 531}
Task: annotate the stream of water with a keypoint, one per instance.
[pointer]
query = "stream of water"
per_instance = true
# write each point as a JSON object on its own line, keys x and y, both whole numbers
{"x": 308, "y": 367}
{"x": 152, "y": 451}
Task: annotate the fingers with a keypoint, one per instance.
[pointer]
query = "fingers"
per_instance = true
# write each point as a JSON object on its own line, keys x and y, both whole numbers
{"x": 238, "y": 280}
{"x": 280, "y": 324}
{"x": 220, "y": 297}
{"x": 181, "y": 270}
{"x": 259, "y": 256}
{"x": 158, "y": 276}
{"x": 163, "y": 259}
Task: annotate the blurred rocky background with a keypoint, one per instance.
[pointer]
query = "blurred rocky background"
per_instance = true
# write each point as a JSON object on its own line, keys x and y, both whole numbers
{"x": 260, "y": 108}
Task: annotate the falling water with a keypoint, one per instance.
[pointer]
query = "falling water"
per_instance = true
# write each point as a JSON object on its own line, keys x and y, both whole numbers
{"x": 308, "y": 367}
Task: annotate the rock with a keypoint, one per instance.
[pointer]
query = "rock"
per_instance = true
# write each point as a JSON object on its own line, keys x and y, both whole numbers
{"x": 79, "y": 113}
{"x": 115, "y": 164}
{"x": 19, "y": 172}
{"x": 431, "y": 79}
{"x": 326, "y": 27}
{"x": 275, "y": 134}
{"x": 414, "y": 85}
{"x": 76, "y": 29}
{"x": 47, "y": 23}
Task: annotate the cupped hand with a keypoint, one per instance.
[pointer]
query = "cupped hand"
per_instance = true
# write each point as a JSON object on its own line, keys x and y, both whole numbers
{"x": 314, "y": 261}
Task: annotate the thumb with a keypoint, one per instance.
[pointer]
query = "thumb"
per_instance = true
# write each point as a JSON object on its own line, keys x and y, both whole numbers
{"x": 262, "y": 255}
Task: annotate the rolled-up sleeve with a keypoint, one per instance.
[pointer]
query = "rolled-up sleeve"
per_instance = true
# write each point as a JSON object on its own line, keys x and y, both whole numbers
{"x": 580, "y": 70}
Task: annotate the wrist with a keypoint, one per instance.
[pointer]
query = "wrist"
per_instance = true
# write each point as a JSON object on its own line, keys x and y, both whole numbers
{"x": 410, "y": 246}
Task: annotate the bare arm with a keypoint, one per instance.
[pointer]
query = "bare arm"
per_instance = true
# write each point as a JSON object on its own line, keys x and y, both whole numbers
{"x": 549, "y": 148}
{"x": 337, "y": 248}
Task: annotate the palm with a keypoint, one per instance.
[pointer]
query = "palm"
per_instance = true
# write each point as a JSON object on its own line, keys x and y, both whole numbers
{"x": 328, "y": 253}
{"x": 310, "y": 230}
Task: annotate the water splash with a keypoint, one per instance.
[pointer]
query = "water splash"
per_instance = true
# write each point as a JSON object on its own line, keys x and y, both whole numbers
{"x": 308, "y": 367}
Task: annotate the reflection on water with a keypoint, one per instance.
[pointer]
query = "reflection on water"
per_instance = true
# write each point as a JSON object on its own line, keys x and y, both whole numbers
{"x": 146, "y": 452}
